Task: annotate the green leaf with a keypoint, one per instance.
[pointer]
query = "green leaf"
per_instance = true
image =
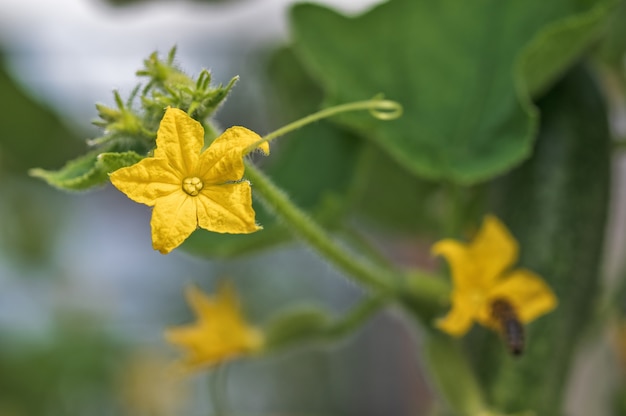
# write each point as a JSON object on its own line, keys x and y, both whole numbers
{"x": 314, "y": 166}
{"x": 87, "y": 171}
{"x": 463, "y": 70}
{"x": 613, "y": 47}
{"x": 560, "y": 44}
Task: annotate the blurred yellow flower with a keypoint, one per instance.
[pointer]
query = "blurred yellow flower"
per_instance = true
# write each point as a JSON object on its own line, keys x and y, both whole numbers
{"x": 147, "y": 386}
{"x": 189, "y": 188}
{"x": 483, "y": 282}
{"x": 219, "y": 334}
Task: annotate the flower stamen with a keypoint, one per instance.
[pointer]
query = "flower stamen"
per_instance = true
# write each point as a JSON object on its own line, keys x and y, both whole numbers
{"x": 192, "y": 185}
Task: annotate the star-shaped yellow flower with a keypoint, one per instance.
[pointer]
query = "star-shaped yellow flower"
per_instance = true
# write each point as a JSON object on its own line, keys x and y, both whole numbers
{"x": 219, "y": 334}
{"x": 191, "y": 188}
{"x": 482, "y": 279}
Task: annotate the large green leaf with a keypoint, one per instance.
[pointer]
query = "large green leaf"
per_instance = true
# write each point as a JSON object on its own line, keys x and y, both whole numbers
{"x": 463, "y": 70}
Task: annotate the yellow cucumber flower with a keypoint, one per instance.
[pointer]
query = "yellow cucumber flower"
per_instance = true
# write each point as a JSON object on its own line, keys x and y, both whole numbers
{"x": 191, "y": 188}
{"x": 483, "y": 282}
{"x": 220, "y": 332}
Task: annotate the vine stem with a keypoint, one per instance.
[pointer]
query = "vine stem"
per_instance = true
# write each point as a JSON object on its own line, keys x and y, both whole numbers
{"x": 358, "y": 315}
{"x": 370, "y": 275}
{"x": 378, "y": 107}
{"x": 217, "y": 389}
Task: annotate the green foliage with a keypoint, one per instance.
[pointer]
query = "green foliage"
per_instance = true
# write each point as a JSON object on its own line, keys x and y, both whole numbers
{"x": 129, "y": 133}
{"x": 168, "y": 86}
{"x": 87, "y": 171}
{"x": 556, "y": 205}
{"x": 462, "y": 70}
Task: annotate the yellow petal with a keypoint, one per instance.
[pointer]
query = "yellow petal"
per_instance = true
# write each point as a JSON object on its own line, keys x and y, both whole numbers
{"x": 227, "y": 301}
{"x": 223, "y": 160}
{"x": 460, "y": 318}
{"x": 219, "y": 334}
{"x": 227, "y": 209}
{"x": 494, "y": 249}
{"x": 184, "y": 336}
{"x": 480, "y": 263}
{"x": 202, "y": 305}
{"x": 146, "y": 180}
{"x": 528, "y": 293}
{"x": 463, "y": 270}
{"x": 173, "y": 220}
{"x": 179, "y": 140}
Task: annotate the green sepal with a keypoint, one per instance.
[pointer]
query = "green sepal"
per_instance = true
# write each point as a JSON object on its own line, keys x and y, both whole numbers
{"x": 87, "y": 171}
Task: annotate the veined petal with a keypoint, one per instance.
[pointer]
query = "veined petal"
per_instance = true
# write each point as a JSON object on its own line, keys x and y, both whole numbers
{"x": 528, "y": 294}
{"x": 223, "y": 160}
{"x": 146, "y": 181}
{"x": 227, "y": 209}
{"x": 173, "y": 220}
{"x": 179, "y": 140}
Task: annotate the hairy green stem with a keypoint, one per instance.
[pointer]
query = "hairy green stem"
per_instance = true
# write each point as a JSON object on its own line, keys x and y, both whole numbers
{"x": 369, "y": 275}
{"x": 361, "y": 243}
{"x": 423, "y": 292}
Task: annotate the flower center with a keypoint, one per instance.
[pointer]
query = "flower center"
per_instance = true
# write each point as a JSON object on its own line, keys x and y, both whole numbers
{"x": 192, "y": 185}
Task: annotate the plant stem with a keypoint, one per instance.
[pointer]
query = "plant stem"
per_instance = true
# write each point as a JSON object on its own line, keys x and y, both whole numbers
{"x": 360, "y": 242}
{"x": 425, "y": 292}
{"x": 370, "y": 275}
{"x": 357, "y": 315}
{"x": 217, "y": 389}
{"x": 453, "y": 375}
{"x": 378, "y": 107}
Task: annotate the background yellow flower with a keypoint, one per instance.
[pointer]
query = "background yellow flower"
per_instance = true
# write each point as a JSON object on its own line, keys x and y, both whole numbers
{"x": 481, "y": 276}
{"x": 220, "y": 332}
